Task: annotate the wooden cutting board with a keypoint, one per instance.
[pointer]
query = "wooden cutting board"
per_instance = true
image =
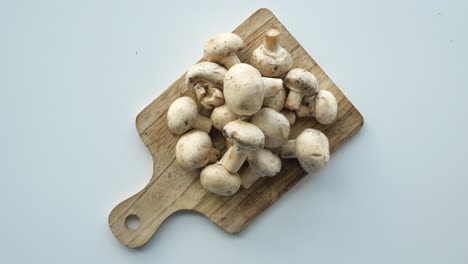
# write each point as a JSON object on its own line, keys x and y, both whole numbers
{"x": 172, "y": 189}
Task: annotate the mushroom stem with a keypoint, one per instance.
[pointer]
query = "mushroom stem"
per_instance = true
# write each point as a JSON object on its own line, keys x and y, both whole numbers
{"x": 234, "y": 158}
{"x": 272, "y": 86}
{"x": 288, "y": 150}
{"x": 307, "y": 107}
{"x": 202, "y": 123}
{"x": 293, "y": 102}
{"x": 249, "y": 177}
{"x": 226, "y": 155}
{"x": 271, "y": 39}
{"x": 230, "y": 61}
{"x": 228, "y": 143}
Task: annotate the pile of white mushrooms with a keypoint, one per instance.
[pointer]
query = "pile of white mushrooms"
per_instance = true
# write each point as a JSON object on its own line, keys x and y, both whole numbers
{"x": 254, "y": 111}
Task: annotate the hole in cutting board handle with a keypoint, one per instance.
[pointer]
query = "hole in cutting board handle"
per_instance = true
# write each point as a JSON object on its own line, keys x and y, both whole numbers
{"x": 132, "y": 222}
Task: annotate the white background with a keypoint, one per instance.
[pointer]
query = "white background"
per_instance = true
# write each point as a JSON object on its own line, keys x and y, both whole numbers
{"x": 74, "y": 75}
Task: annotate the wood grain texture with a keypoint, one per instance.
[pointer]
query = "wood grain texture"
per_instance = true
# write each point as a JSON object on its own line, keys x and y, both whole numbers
{"x": 172, "y": 189}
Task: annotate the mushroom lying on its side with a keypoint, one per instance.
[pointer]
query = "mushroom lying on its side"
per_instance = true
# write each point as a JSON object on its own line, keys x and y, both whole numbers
{"x": 223, "y": 49}
{"x": 322, "y": 106}
{"x": 207, "y": 79}
{"x": 270, "y": 58}
{"x": 311, "y": 148}
{"x": 195, "y": 149}
{"x": 262, "y": 163}
{"x": 274, "y": 126}
{"x": 216, "y": 179}
{"x": 300, "y": 83}
{"x": 183, "y": 115}
{"x": 245, "y": 137}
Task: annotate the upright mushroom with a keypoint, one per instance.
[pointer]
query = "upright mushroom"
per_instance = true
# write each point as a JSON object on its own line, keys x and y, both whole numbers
{"x": 270, "y": 58}
{"x": 311, "y": 148}
{"x": 207, "y": 79}
{"x": 262, "y": 163}
{"x": 216, "y": 179}
{"x": 195, "y": 149}
{"x": 223, "y": 49}
{"x": 300, "y": 83}
{"x": 245, "y": 137}
{"x": 183, "y": 115}
{"x": 243, "y": 89}
{"x": 322, "y": 106}
{"x": 274, "y": 126}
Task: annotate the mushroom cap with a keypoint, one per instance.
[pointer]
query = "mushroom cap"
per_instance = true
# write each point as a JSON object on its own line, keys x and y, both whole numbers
{"x": 182, "y": 114}
{"x": 216, "y": 179}
{"x": 276, "y": 102}
{"x": 222, "y": 45}
{"x": 243, "y": 89}
{"x": 302, "y": 81}
{"x": 312, "y": 149}
{"x": 274, "y": 126}
{"x": 264, "y": 162}
{"x": 222, "y": 115}
{"x": 207, "y": 72}
{"x": 271, "y": 64}
{"x": 326, "y": 107}
{"x": 193, "y": 149}
{"x": 247, "y": 135}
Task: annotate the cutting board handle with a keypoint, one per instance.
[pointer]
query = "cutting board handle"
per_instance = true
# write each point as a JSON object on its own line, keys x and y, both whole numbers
{"x": 140, "y": 209}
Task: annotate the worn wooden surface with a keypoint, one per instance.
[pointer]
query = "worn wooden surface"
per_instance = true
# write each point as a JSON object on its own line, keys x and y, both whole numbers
{"x": 172, "y": 189}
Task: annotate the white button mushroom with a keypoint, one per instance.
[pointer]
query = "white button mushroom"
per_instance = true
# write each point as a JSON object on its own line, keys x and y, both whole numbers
{"x": 311, "y": 148}
{"x": 270, "y": 58}
{"x": 223, "y": 49}
{"x": 243, "y": 89}
{"x": 262, "y": 163}
{"x": 207, "y": 79}
{"x": 272, "y": 86}
{"x": 222, "y": 115}
{"x": 274, "y": 126}
{"x": 322, "y": 106}
{"x": 275, "y": 94}
{"x": 183, "y": 115}
{"x": 216, "y": 179}
{"x": 245, "y": 137}
{"x": 195, "y": 149}
{"x": 300, "y": 83}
